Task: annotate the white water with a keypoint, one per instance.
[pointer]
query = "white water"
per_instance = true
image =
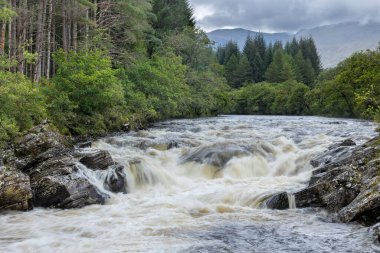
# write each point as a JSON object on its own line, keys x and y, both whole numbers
{"x": 192, "y": 207}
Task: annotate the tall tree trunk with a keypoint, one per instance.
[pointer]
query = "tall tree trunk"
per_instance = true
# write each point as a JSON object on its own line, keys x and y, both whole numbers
{"x": 64, "y": 26}
{"x": 39, "y": 41}
{"x": 2, "y": 39}
{"x": 87, "y": 28}
{"x": 48, "y": 40}
{"x": 75, "y": 26}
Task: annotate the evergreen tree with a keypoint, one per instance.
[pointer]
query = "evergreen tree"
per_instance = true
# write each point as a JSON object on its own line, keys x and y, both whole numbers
{"x": 172, "y": 16}
{"x": 243, "y": 72}
{"x": 231, "y": 49}
{"x": 309, "y": 51}
{"x": 231, "y": 70}
{"x": 280, "y": 69}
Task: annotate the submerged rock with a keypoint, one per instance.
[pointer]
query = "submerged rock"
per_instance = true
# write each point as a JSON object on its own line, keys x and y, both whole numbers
{"x": 217, "y": 154}
{"x": 116, "y": 179}
{"x": 15, "y": 190}
{"x": 350, "y": 187}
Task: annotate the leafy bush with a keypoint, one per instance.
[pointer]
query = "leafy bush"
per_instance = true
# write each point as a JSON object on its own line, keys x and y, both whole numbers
{"x": 85, "y": 96}
{"x": 22, "y": 105}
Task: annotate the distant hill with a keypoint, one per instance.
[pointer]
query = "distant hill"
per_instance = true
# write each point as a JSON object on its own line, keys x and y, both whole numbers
{"x": 334, "y": 42}
{"x": 222, "y": 36}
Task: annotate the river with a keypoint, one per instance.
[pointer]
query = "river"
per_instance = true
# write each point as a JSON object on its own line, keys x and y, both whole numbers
{"x": 204, "y": 194}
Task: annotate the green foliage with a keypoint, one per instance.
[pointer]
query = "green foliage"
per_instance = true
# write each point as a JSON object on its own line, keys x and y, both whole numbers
{"x": 22, "y": 105}
{"x": 86, "y": 97}
{"x": 162, "y": 81}
{"x": 288, "y": 98}
{"x": 280, "y": 69}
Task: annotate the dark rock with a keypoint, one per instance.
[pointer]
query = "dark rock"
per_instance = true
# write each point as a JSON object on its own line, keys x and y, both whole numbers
{"x": 99, "y": 160}
{"x": 161, "y": 145}
{"x": 116, "y": 179}
{"x": 217, "y": 154}
{"x": 348, "y": 186}
{"x": 69, "y": 191}
{"x": 279, "y": 201}
{"x": 15, "y": 190}
{"x": 86, "y": 144}
{"x": 40, "y": 139}
{"x": 55, "y": 180}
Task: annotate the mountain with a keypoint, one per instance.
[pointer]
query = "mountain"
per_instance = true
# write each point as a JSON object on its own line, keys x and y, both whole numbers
{"x": 222, "y": 36}
{"x": 334, "y": 42}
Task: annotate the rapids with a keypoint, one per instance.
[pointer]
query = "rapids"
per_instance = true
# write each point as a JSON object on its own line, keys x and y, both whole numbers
{"x": 203, "y": 194}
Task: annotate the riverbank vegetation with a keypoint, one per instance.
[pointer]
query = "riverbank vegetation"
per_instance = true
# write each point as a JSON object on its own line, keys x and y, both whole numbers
{"x": 93, "y": 66}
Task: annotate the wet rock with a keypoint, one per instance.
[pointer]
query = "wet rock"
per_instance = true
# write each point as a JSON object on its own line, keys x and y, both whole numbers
{"x": 15, "y": 190}
{"x": 161, "y": 145}
{"x": 217, "y": 154}
{"x": 55, "y": 181}
{"x": 86, "y": 144}
{"x": 350, "y": 187}
{"x": 366, "y": 206}
{"x": 69, "y": 191}
{"x": 116, "y": 179}
{"x": 99, "y": 160}
{"x": 279, "y": 201}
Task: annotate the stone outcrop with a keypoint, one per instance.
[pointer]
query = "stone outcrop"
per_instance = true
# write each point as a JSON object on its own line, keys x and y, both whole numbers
{"x": 347, "y": 185}
{"x": 15, "y": 190}
{"x": 98, "y": 160}
{"x": 45, "y": 173}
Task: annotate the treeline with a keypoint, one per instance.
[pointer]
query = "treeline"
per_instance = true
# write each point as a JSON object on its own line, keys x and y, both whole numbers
{"x": 297, "y": 60}
{"x": 352, "y": 89}
{"x": 92, "y": 66}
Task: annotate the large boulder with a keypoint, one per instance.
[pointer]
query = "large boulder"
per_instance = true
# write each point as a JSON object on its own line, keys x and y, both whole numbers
{"x": 15, "y": 190}
{"x": 349, "y": 186}
{"x": 56, "y": 181}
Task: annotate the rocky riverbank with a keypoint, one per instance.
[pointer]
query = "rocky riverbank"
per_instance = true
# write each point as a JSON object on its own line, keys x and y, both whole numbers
{"x": 345, "y": 181}
{"x": 44, "y": 169}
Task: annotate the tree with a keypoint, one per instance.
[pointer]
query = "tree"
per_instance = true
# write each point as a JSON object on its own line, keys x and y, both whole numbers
{"x": 279, "y": 70}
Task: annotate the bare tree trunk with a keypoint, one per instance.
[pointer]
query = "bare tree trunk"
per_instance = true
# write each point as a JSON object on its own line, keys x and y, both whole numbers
{"x": 21, "y": 37}
{"x": 48, "y": 41}
{"x": 87, "y": 28}
{"x": 39, "y": 41}
{"x": 64, "y": 26}
{"x": 75, "y": 26}
{"x": 2, "y": 39}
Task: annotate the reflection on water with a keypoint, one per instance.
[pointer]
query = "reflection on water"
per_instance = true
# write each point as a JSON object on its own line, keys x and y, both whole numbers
{"x": 198, "y": 186}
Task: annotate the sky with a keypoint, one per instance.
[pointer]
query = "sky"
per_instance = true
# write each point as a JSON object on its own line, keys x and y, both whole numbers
{"x": 282, "y": 15}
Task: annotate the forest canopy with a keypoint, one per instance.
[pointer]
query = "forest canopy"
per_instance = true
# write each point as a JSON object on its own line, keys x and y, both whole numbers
{"x": 94, "y": 66}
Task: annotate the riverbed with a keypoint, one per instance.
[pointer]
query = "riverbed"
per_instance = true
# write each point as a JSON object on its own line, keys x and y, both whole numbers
{"x": 184, "y": 198}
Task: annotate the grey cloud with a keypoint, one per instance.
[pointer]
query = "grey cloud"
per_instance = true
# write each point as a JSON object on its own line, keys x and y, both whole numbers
{"x": 282, "y": 15}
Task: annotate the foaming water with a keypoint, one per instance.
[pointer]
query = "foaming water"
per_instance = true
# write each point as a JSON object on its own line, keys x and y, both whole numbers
{"x": 203, "y": 194}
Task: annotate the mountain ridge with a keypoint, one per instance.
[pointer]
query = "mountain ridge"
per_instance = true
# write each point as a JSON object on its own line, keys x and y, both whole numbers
{"x": 334, "y": 42}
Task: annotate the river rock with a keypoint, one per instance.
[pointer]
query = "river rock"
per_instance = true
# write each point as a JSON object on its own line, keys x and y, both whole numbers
{"x": 46, "y": 157}
{"x": 40, "y": 139}
{"x": 217, "y": 155}
{"x": 350, "y": 187}
{"x": 335, "y": 154}
{"x": 116, "y": 179}
{"x": 98, "y": 160}
{"x": 15, "y": 190}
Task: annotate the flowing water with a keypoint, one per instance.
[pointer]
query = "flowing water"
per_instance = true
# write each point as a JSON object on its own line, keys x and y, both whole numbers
{"x": 204, "y": 194}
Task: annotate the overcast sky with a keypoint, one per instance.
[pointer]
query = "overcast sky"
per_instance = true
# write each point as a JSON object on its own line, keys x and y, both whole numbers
{"x": 282, "y": 15}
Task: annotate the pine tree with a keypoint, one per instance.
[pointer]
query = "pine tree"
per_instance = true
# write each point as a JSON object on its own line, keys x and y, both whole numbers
{"x": 280, "y": 69}
{"x": 242, "y": 73}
